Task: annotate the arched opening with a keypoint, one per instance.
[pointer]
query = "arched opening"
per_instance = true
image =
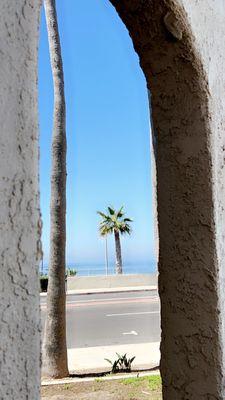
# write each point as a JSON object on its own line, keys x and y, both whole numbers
{"x": 108, "y": 164}
{"x": 172, "y": 67}
{"x": 187, "y": 209}
{"x": 108, "y": 136}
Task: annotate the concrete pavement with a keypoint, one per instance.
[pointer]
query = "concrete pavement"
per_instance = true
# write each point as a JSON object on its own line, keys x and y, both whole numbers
{"x": 109, "y": 290}
{"x": 92, "y": 359}
{"x": 99, "y": 325}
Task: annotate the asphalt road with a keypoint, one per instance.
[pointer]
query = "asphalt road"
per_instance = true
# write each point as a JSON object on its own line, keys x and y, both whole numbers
{"x": 111, "y": 319}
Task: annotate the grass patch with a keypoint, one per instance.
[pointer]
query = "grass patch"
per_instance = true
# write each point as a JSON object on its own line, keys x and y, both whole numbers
{"x": 138, "y": 388}
{"x": 154, "y": 381}
{"x": 133, "y": 381}
{"x": 99, "y": 380}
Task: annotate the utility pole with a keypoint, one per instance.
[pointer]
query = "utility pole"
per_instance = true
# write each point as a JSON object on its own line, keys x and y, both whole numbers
{"x": 106, "y": 256}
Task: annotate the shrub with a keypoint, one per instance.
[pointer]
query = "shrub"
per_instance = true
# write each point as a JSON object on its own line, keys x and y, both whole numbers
{"x": 71, "y": 272}
{"x": 43, "y": 283}
{"x": 121, "y": 364}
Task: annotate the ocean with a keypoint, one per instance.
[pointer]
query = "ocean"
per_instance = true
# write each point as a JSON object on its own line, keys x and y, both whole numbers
{"x": 88, "y": 269}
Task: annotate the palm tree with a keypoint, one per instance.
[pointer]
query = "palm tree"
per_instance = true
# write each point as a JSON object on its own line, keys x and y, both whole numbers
{"x": 114, "y": 222}
{"x": 54, "y": 344}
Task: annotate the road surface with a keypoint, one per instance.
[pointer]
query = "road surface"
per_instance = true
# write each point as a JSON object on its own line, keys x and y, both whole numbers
{"x": 111, "y": 319}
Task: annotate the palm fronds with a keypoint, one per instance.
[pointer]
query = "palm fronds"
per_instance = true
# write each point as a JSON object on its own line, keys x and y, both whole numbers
{"x": 114, "y": 221}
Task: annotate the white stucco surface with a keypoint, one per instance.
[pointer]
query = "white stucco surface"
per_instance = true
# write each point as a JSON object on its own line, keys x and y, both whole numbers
{"x": 207, "y": 21}
{"x": 181, "y": 48}
{"x": 19, "y": 205}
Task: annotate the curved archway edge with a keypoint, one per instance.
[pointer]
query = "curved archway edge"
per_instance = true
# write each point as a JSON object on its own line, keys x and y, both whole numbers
{"x": 173, "y": 56}
{"x": 181, "y": 56}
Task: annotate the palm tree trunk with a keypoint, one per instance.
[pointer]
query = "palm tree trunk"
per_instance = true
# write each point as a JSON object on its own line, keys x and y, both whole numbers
{"x": 119, "y": 266}
{"x": 54, "y": 344}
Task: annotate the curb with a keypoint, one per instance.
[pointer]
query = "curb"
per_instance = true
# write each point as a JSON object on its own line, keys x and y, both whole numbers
{"x": 108, "y": 290}
{"x": 104, "y": 378}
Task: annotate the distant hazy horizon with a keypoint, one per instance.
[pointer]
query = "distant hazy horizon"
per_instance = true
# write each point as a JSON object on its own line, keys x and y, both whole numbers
{"x": 132, "y": 267}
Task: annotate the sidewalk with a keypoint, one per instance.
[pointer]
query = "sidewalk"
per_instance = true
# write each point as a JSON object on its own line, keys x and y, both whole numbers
{"x": 92, "y": 359}
{"x": 109, "y": 290}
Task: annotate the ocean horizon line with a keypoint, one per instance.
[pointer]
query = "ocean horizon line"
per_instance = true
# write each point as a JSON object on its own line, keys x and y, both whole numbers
{"x": 86, "y": 269}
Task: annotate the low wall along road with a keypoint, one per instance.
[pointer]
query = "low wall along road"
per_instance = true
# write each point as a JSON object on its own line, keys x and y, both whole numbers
{"x": 145, "y": 281}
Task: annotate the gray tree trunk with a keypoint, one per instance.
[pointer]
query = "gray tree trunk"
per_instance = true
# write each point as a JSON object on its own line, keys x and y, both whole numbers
{"x": 54, "y": 345}
{"x": 119, "y": 265}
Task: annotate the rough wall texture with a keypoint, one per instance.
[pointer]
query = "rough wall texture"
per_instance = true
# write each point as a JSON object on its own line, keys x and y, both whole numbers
{"x": 19, "y": 213}
{"x": 179, "y": 45}
{"x": 207, "y": 21}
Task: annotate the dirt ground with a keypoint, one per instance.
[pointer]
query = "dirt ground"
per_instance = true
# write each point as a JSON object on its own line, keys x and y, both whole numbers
{"x": 146, "y": 388}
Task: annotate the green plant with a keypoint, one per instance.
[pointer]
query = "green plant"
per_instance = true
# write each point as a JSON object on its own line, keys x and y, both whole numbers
{"x": 154, "y": 382}
{"x": 121, "y": 364}
{"x": 136, "y": 381}
{"x": 98, "y": 380}
{"x": 71, "y": 272}
{"x": 43, "y": 283}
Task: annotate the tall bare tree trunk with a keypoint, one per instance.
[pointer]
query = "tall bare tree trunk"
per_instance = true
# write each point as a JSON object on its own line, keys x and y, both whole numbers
{"x": 119, "y": 265}
{"x": 54, "y": 345}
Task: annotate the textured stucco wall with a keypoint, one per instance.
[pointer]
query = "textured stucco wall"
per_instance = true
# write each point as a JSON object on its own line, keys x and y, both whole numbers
{"x": 19, "y": 214}
{"x": 207, "y": 21}
{"x": 180, "y": 44}
{"x": 180, "y": 48}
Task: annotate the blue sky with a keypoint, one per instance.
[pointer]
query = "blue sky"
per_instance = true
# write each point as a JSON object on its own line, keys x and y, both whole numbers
{"x": 108, "y": 134}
